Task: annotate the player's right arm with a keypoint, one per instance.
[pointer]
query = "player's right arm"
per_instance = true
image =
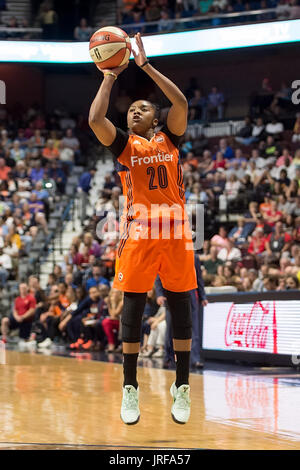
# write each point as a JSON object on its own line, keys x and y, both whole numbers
{"x": 101, "y": 126}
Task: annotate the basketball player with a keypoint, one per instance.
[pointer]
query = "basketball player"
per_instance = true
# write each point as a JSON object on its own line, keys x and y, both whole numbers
{"x": 151, "y": 175}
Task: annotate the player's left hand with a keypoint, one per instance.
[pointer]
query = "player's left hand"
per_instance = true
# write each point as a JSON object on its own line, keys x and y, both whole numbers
{"x": 140, "y": 56}
{"x": 204, "y": 303}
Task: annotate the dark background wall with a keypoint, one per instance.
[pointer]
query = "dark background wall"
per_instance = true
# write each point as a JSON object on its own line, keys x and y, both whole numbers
{"x": 237, "y": 73}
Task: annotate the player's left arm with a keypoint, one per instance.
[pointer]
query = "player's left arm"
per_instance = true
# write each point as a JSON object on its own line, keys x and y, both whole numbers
{"x": 177, "y": 116}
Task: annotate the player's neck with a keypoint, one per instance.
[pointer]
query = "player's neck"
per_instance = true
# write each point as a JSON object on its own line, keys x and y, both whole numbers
{"x": 147, "y": 135}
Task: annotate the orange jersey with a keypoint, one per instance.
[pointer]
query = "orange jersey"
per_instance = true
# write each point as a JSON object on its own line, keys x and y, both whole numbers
{"x": 151, "y": 175}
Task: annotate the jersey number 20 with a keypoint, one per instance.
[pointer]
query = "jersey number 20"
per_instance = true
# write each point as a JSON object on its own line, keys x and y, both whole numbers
{"x": 162, "y": 177}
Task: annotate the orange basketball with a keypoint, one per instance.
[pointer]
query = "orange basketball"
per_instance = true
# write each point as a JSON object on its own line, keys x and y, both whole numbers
{"x": 110, "y": 47}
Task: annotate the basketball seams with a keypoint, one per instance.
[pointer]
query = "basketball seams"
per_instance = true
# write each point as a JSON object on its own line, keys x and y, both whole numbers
{"x": 110, "y": 47}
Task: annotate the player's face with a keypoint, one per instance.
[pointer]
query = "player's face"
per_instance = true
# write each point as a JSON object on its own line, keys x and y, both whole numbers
{"x": 141, "y": 117}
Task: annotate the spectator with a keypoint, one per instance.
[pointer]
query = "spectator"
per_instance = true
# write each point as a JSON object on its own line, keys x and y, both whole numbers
{"x": 230, "y": 252}
{"x": 48, "y": 19}
{"x": 84, "y": 187}
{"x": 274, "y": 128}
{"x": 83, "y": 32}
{"x": 278, "y": 242}
{"x": 215, "y": 102}
{"x": 296, "y": 130}
{"x": 4, "y": 170}
{"x": 111, "y": 323}
{"x": 22, "y": 317}
{"x": 156, "y": 340}
{"x": 50, "y": 152}
{"x": 96, "y": 278}
{"x": 213, "y": 262}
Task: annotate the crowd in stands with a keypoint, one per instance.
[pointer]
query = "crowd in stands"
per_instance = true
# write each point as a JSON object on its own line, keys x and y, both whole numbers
{"x": 201, "y": 13}
{"x": 136, "y": 14}
{"x": 37, "y": 153}
{"x": 249, "y": 184}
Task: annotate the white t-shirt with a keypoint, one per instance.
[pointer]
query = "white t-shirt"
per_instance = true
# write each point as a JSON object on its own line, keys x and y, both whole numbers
{"x": 276, "y": 128}
{"x": 5, "y": 261}
{"x": 233, "y": 254}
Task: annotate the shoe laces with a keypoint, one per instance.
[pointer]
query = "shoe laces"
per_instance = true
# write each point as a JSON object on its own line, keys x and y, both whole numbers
{"x": 182, "y": 398}
{"x": 131, "y": 399}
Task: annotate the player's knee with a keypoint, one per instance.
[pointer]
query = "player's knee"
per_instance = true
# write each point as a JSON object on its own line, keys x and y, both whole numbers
{"x": 181, "y": 315}
{"x": 133, "y": 308}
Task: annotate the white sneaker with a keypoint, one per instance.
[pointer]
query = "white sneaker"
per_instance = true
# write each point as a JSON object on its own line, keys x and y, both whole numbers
{"x": 181, "y": 407}
{"x": 158, "y": 353}
{"x": 130, "y": 412}
{"x": 45, "y": 344}
{"x": 31, "y": 345}
{"x": 22, "y": 345}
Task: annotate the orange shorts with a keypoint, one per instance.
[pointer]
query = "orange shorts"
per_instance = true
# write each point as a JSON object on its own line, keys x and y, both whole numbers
{"x": 143, "y": 253}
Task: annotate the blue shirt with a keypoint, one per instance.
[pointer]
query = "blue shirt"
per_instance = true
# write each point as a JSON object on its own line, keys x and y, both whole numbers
{"x": 92, "y": 282}
{"x": 85, "y": 182}
{"x": 37, "y": 175}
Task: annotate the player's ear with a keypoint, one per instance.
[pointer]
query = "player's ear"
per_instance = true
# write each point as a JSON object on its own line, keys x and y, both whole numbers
{"x": 155, "y": 122}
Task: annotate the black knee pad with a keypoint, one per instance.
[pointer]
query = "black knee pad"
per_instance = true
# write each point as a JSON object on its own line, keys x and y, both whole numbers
{"x": 133, "y": 308}
{"x": 181, "y": 314}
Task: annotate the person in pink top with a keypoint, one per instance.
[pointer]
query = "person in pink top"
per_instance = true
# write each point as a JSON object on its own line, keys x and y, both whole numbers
{"x": 282, "y": 159}
{"x": 220, "y": 240}
{"x": 4, "y": 170}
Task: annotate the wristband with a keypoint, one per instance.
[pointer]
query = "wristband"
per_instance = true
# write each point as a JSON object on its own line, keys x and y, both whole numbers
{"x": 112, "y": 74}
{"x": 145, "y": 63}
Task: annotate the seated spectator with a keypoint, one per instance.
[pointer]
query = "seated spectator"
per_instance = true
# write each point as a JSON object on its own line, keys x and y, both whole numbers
{"x": 215, "y": 102}
{"x": 197, "y": 106}
{"x": 75, "y": 324}
{"x": 156, "y": 340}
{"x": 111, "y": 323}
{"x": 230, "y": 252}
{"x": 272, "y": 215}
{"x": 257, "y": 133}
{"x": 274, "y": 128}
{"x": 37, "y": 172}
{"x": 82, "y": 32}
{"x": 165, "y": 22}
{"x": 70, "y": 141}
{"x": 17, "y": 153}
{"x": 239, "y": 233}
{"x": 257, "y": 245}
{"x": 4, "y": 170}
{"x": 296, "y": 129}
{"x": 96, "y": 278}
{"x": 37, "y": 140}
{"x": 278, "y": 242}
{"x": 50, "y": 152}
{"x": 263, "y": 98}
{"x": 5, "y": 267}
{"x": 245, "y": 132}
{"x": 57, "y": 174}
{"x": 231, "y": 191}
{"x": 22, "y": 317}
{"x": 225, "y": 149}
{"x": 283, "y": 10}
{"x": 213, "y": 262}
{"x": 295, "y": 9}
{"x": 220, "y": 240}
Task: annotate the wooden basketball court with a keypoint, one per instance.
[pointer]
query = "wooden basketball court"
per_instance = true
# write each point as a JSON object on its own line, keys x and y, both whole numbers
{"x": 50, "y": 402}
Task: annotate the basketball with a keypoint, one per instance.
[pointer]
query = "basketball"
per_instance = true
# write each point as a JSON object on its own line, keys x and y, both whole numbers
{"x": 110, "y": 47}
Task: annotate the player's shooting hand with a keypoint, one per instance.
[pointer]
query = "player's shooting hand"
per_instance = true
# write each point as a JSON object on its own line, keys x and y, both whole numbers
{"x": 140, "y": 56}
{"x": 116, "y": 70}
